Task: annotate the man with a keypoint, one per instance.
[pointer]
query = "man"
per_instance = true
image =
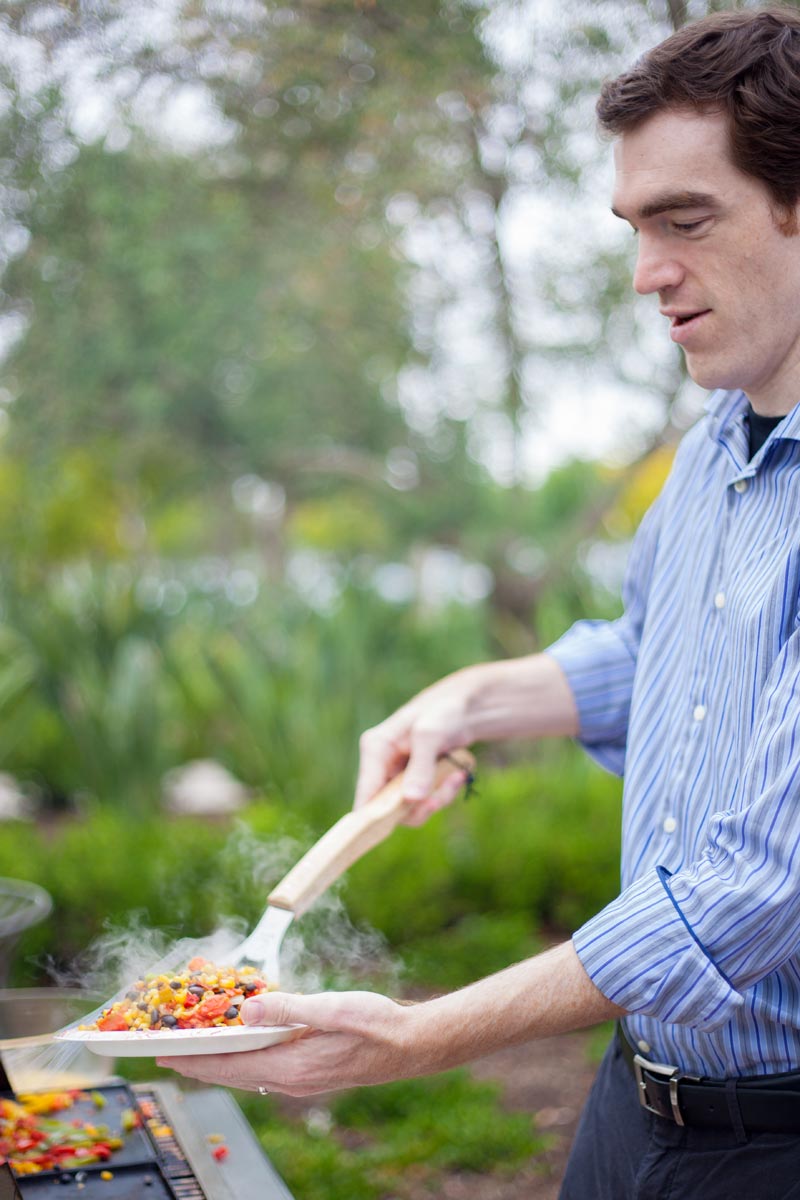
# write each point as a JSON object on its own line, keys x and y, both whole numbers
{"x": 694, "y": 691}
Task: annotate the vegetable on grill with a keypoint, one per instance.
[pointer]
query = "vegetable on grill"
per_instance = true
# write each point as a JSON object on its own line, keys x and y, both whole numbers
{"x": 33, "y": 1140}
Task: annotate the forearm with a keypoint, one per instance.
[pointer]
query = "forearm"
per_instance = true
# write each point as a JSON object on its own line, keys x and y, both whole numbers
{"x": 537, "y": 998}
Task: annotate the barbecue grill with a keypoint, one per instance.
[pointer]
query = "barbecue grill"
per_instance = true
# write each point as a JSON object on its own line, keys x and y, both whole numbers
{"x": 170, "y": 1157}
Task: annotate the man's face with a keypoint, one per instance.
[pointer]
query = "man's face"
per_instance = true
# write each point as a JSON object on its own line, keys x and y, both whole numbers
{"x": 727, "y": 278}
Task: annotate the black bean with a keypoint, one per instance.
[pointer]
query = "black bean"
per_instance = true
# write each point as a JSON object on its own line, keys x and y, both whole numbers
{"x": 247, "y": 988}
{"x": 169, "y": 1020}
{"x": 197, "y": 989}
{"x": 231, "y": 1013}
{"x": 155, "y": 1017}
{"x": 142, "y": 1006}
{"x": 175, "y": 984}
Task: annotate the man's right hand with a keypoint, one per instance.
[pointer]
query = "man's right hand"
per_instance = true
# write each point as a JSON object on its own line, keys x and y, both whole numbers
{"x": 523, "y": 697}
{"x": 415, "y": 738}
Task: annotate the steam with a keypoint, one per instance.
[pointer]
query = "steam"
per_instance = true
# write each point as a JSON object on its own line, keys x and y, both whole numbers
{"x": 323, "y": 949}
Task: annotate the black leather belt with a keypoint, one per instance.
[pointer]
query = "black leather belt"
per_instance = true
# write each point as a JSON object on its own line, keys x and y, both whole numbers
{"x": 751, "y": 1104}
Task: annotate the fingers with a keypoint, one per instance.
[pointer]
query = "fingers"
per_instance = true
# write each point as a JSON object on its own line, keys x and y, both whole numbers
{"x": 293, "y": 1068}
{"x": 381, "y": 756}
{"x": 247, "y": 1071}
{"x": 444, "y": 794}
{"x": 426, "y": 746}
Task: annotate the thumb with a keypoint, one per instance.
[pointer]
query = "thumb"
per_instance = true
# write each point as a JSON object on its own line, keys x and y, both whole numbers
{"x": 272, "y": 1008}
{"x": 333, "y": 1011}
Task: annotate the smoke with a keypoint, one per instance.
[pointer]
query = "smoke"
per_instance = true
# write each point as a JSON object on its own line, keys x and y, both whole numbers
{"x": 323, "y": 948}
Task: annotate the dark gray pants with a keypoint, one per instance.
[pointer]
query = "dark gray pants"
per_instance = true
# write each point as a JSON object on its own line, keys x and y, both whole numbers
{"x": 622, "y": 1152}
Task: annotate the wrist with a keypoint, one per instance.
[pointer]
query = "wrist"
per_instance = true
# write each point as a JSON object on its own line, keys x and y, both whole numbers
{"x": 521, "y": 697}
{"x": 423, "y": 1038}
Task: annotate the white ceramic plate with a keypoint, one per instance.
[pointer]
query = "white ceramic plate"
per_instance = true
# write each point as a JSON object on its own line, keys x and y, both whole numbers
{"x": 149, "y": 1043}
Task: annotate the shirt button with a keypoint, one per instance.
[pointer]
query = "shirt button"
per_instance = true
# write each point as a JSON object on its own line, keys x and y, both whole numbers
{"x": 670, "y": 825}
{"x": 719, "y": 600}
{"x": 741, "y": 485}
{"x": 643, "y": 1046}
{"x": 699, "y": 713}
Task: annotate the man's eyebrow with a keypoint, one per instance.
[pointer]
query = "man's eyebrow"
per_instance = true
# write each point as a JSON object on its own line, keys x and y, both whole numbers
{"x": 670, "y": 201}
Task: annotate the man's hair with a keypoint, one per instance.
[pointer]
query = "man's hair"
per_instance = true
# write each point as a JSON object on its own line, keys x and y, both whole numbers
{"x": 745, "y": 64}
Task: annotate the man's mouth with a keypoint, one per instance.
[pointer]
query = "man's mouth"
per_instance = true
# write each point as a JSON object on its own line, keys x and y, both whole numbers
{"x": 683, "y": 324}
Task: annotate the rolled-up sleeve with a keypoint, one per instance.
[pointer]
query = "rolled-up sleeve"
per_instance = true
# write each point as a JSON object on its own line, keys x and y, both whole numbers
{"x": 686, "y": 947}
{"x": 599, "y": 657}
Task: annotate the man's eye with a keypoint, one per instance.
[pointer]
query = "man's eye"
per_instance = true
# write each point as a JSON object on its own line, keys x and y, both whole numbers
{"x": 689, "y": 226}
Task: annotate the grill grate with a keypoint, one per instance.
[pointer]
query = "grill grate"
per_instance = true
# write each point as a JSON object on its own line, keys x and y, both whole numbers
{"x": 175, "y": 1163}
{"x": 171, "y": 1158}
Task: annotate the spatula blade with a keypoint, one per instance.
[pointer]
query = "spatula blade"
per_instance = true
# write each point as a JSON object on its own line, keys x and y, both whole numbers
{"x": 262, "y": 948}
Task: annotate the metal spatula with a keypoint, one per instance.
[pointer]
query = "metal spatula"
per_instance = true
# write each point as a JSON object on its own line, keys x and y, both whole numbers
{"x": 344, "y": 843}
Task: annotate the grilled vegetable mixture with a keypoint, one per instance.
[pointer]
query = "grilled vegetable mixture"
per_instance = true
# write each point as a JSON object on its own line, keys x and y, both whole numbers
{"x": 202, "y": 996}
{"x": 32, "y": 1140}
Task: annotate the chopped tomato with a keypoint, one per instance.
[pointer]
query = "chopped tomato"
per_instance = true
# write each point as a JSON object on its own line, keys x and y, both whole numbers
{"x": 214, "y": 1006}
{"x": 113, "y": 1023}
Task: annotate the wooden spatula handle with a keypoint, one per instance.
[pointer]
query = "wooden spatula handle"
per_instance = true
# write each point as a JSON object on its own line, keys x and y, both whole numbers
{"x": 351, "y": 837}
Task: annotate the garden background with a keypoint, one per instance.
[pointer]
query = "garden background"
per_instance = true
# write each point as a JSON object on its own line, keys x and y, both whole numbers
{"x": 322, "y": 376}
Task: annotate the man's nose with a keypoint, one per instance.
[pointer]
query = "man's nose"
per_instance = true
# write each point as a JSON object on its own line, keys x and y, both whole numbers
{"x": 656, "y": 269}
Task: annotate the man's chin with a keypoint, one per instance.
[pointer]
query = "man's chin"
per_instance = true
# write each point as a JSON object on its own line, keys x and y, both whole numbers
{"x": 709, "y": 375}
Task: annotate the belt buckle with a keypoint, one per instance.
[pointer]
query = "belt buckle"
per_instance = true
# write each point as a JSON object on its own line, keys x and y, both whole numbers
{"x": 672, "y": 1076}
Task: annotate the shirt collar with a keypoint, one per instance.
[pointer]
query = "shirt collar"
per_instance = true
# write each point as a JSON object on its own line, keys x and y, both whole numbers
{"x": 726, "y": 409}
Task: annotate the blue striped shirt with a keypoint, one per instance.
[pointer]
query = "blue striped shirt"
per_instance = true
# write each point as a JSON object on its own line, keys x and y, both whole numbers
{"x": 693, "y": 694}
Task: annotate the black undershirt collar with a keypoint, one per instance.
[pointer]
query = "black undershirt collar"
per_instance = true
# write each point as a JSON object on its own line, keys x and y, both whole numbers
{"x": 758, "y": 428}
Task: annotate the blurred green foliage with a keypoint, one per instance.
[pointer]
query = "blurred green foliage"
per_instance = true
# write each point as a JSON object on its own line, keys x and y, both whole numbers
{"x": 102, "y": 691}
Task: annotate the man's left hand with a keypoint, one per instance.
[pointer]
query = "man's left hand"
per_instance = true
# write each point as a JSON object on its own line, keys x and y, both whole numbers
{"x": 351, "y": 1039}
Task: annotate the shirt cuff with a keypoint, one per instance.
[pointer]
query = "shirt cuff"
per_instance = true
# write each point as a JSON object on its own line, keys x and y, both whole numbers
{"x": 643, "y": 955}
{"x": 599, "y": 667}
